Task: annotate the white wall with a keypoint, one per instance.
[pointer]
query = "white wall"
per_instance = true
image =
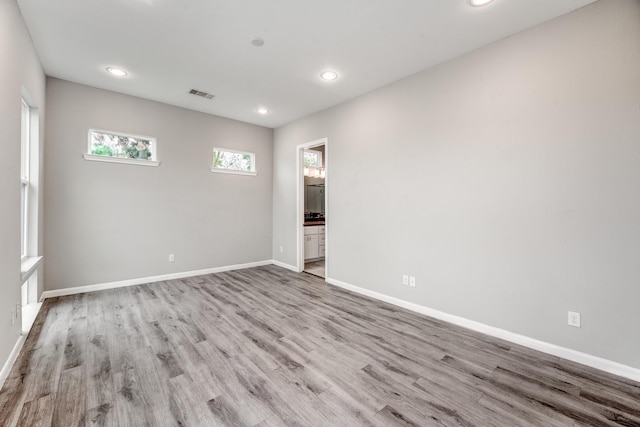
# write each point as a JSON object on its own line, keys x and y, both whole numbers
{"x": 109, "y": 222}
{"x": 19, "y": 69}
{"x": 507, "y": 181}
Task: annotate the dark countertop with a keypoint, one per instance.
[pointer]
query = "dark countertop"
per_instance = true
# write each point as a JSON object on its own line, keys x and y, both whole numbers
{"x": 309, "y": 223}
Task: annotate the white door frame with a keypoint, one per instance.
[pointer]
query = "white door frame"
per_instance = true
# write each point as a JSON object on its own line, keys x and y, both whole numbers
{"x": 300, "y": 199}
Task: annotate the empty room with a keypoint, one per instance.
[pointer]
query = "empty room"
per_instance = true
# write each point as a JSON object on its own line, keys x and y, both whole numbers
{"x": 292, "y": 213}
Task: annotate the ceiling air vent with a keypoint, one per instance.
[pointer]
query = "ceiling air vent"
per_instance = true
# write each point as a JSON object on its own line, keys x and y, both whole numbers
{"x": 203, "y": 94}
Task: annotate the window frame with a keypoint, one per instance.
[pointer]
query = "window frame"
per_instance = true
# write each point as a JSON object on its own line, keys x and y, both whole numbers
{"x": 30, "y": 181}
{"x": 252, "y": 172}
{"x": 153, "y": 161}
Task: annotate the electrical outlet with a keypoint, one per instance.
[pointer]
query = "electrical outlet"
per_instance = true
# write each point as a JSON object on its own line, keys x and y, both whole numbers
{"x": 574, "y": 319}
{"x": 172, "y": 258}
{"x": 412, "y": 281}
{"x": 281, "y": 249}
{"x": 405, "y": 279}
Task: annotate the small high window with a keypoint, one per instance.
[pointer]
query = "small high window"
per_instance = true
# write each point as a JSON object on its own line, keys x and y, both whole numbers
{"x": 122, "y": 148}
{"x": 313, "y": 158}
{"x": 232, "y": 161}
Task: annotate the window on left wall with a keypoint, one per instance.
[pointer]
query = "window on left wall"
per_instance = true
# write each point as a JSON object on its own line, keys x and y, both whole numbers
{"x": 117, "y": 147}
{"x": 24, "y": 176}
{"x": 30, "y": 183}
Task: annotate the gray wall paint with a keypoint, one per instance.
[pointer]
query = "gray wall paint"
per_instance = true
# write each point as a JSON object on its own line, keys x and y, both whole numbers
{"x": 506, "y": 181}
{"x": 19, "y": 68}
{"x": 108, "y": 222}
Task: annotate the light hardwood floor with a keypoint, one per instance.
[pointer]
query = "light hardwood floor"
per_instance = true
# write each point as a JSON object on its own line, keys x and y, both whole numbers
{"x": 317, "y": 268}
{"x": 269, "y": 347}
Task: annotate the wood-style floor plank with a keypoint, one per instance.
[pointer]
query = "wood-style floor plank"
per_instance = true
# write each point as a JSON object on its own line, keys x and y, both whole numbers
{"x": 268, "y": 347}
{"x": 70, "y": 407}
{"x": 37, "y": 412}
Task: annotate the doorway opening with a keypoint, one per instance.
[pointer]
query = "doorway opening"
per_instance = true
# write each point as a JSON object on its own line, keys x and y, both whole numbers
{"x": 312, "y": 212}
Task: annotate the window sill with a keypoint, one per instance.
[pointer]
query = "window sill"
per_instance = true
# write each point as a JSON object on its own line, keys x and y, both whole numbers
{"x": 233, "y": 172}
{"x": 106, "y": 159}
{"x": 28, "y": 266}
{"x": 29, "y": 314}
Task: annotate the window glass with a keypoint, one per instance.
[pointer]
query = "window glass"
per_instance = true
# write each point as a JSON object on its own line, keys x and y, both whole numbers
{"x": 24, "y": 174}
{"x": 122, "y": 146}
{"x": 225, "y": 160}
{"x": 313, "y": 158}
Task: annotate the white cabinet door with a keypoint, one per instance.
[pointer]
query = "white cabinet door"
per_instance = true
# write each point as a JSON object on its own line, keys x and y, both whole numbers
{"x": 311, "y": 246}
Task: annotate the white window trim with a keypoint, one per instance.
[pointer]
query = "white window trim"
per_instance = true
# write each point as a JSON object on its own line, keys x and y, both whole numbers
{"x": 28, "y": 266}
{"x": 109, "y": 159}
{"x": 122, "y": 160}
{"x": 232, "y": 172}
{"x": 24, "y": 234}
{"x": 254, "y": 172}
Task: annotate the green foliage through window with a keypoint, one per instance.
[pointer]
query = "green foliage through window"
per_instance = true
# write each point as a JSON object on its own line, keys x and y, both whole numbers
{"x": 120, "y": 146}
{"x": 233, "y": 160}
{"x": 313, "y": 158}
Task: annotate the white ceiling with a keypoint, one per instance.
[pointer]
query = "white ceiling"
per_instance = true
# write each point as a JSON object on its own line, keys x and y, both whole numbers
{"x": 171, "y": 46}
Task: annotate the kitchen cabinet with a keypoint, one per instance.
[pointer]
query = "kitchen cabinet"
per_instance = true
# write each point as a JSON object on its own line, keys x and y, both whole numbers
{"x": 311, "y": 246}
{"x": 313, "y": 242}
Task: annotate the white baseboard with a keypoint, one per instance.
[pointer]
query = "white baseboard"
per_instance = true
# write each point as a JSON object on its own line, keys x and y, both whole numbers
{"x": 143, "y": 280}
{"x": 555, "y": 350}
{"x": 13, "y": 356}
{"x": 287, "y": 266}
{"x": 12, "y": 359}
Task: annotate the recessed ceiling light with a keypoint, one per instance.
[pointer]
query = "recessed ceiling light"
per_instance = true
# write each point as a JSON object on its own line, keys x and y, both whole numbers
{"x": 478, "y": 3}
{"x": 328, "y": 75}
{"x": 119, "y": 72}
{"x": 257, "y": 42}
{"x": 263, "y": 111}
